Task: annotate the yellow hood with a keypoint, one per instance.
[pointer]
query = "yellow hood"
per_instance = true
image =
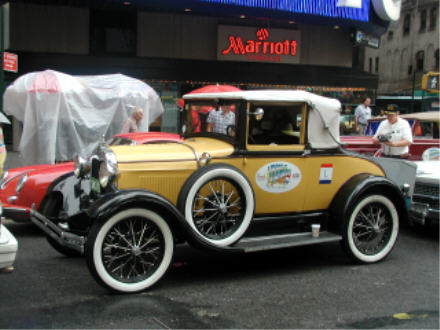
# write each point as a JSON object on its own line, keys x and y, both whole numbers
{"x": 172, "y": 151}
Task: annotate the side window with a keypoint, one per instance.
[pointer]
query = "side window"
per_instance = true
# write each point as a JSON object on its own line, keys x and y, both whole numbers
{"x": 280, "y": 125}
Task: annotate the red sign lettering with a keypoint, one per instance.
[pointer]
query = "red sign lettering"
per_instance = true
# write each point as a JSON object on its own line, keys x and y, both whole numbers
{"x": 260, "y": 47}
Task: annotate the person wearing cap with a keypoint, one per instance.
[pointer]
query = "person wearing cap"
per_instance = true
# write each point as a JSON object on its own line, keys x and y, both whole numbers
{"x": 361, "y": 115}
{"x": 130, "y": 125}
{"x": 394, "y": 134}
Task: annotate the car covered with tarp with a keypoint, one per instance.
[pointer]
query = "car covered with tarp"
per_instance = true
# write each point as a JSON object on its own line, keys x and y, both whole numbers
{"x": 63, "y": 115}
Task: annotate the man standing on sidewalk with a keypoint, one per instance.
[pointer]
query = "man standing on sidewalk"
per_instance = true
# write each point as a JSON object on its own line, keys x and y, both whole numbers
{"x": 362, "y": 113}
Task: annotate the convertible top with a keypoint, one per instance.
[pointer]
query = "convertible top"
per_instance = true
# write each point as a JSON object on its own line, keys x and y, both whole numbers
{"x": 323, "y": 125}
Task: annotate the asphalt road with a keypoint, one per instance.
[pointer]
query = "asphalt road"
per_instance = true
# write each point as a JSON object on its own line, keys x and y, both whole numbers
{"x": 306, "y": 287}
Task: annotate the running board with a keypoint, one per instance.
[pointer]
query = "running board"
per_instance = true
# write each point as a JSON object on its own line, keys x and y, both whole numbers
{"x": 262, "y": 243}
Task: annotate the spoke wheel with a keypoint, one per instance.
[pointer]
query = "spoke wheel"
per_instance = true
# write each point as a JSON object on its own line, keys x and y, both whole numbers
{"x": 218, "y": 203}
{"x": 372, "y": 229}
{"x": 218, "y": 208}
{"x": 131, "y": 251}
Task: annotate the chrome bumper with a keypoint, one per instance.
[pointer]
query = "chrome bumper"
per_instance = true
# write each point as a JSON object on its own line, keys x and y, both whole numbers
{"x": 420, "y": 212}
{"x": 61, "y": 236}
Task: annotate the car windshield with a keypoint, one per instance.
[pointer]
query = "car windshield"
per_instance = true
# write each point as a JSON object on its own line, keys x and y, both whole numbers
{"x": 209, "y": 118}
{"x": 119, "y": 141}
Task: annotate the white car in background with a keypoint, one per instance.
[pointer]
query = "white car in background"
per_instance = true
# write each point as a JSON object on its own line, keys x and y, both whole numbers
{"x": 425, "y": 202}
{"x": 8, "y": 247}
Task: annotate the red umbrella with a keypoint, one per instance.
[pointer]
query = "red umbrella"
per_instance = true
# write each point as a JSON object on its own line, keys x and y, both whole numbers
{"x": 210, "y": 89}
{"x": 215, "y": 89}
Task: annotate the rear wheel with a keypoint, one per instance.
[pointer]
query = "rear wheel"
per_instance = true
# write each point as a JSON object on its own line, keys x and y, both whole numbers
{"x": 371, "y": 229}
{"x": 131, "y": 251}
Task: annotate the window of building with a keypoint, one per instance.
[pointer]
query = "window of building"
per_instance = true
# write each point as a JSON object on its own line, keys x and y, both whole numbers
{"x": 406, "y": 24}
{"x": 409, "y": 69}
{"x": 377, "y": 64}
{"x": 433, "y": 19}
{"x": 113, "y": 32}
{"x": 390, "y": 35}
{"x": 370, "y": 65}
{"x": 420, "y": 57}
{"x": 422, "y": 21}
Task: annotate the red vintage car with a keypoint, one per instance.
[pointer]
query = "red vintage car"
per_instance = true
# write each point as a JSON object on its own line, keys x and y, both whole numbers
{"x": 24, "y": 187}
{"x": 425, "y": 127}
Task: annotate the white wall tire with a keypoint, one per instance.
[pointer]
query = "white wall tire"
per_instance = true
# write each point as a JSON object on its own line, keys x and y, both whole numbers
{"x": 371, "y": 229}
{"x": 143, "y": 252}
{"x": 218, "y": 203}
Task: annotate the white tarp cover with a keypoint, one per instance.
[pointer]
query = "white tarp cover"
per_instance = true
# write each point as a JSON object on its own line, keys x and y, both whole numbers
{"x": 323, "y": 125}
{"x": 63, "y": 115}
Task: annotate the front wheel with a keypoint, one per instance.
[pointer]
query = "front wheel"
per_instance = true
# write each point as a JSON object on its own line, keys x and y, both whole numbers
{"x": 131, "y": 251}
{"x": 371, "y": 228}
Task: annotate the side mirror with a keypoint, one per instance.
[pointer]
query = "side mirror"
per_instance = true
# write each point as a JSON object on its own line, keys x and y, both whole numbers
{"x": 258, "y": 113}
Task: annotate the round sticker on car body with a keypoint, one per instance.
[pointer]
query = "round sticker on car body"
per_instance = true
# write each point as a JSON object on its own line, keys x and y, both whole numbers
{"x": 278, "y": 177}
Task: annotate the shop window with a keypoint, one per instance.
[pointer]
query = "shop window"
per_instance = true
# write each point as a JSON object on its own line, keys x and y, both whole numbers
{"x": 113, "y": 32}
{"x": 390, "y": 35}
{"x": 406, "y": 24}
{"x": 370, "y": 65}
{"x": 420, "y": 57}
{"x": 433, "y": 19}
{"x": 422, "y": 21}
{"x": 377, "y": 64}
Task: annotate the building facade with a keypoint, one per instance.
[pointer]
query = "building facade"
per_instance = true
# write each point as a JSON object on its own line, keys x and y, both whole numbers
{"x": 179, "y": 45}
{"x": 407, "y": 50}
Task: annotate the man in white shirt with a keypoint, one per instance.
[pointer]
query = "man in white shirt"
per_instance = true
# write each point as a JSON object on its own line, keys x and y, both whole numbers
{"x": 219, "y": 120}
{"x": 361, "y": 115}
{"x": 394, "y": 135}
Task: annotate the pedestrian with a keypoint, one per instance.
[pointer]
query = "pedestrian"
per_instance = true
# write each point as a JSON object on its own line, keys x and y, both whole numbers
{"x": 131, "y": 123}
{"x": 219, "y": 120}
{"x": 362, "y": 113}
{"x": 394, "y": 134}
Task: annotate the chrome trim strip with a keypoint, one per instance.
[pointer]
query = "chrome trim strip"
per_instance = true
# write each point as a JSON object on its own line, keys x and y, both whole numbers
{"x": 2, "y": 186}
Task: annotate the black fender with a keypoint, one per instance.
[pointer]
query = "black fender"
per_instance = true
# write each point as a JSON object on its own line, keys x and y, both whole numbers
{"x": 358, "y": 186}
{"x": 110, "y": 203}
{"x": 70, "y": 191}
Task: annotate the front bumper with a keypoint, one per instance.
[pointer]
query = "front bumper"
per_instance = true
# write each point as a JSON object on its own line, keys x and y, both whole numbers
{"x": 16, "y": 213}
{"x": 421, "y": 213}
{"x": 62, "y": 237}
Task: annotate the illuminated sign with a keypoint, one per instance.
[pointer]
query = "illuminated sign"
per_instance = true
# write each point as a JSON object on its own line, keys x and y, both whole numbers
{"x": 237, "y": 43}
{"x": 353, "y": 10}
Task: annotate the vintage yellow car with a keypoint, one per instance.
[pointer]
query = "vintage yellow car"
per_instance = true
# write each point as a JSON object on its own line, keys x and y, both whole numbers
{"x": 256, "y": 170}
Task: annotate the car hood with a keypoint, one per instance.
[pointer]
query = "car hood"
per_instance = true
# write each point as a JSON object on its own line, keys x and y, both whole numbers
{"x": 428, "y": 171}
{"x": 173, "y": 151}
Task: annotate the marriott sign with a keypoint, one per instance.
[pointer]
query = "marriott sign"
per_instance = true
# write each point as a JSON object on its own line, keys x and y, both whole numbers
{"x": 238, "y": 43}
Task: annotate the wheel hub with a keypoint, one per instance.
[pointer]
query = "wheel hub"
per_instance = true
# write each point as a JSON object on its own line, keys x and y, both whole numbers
{"x": 136, "y": 251}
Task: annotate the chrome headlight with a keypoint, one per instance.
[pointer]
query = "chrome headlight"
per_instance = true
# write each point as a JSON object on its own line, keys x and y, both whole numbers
{"x": 81, "y": 166}
{"x": 20, "y": 183}
{"x": 108, "y": 170}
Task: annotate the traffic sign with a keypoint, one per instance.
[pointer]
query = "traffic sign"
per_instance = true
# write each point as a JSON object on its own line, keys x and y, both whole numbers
{"x": 10, "y": 62}
{"x": 430, "y": 82}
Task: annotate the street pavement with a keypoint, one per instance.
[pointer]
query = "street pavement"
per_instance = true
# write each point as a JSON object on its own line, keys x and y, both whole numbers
{"x": 314, "y": 287}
